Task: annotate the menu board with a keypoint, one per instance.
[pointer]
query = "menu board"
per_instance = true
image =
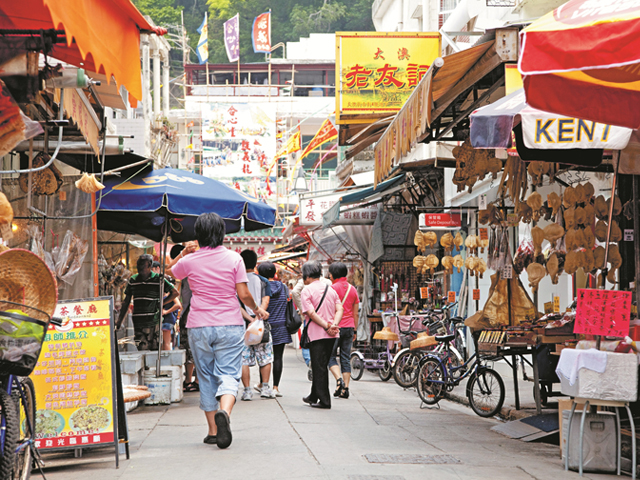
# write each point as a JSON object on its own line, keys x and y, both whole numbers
{"x": 74, "y": 378}
{"x": 603, "y": 312}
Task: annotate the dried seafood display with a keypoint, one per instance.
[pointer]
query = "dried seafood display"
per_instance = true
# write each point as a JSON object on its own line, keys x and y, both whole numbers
{"x": 89, "y": 184}
{"x": 44, "y": 182}
{"x": 536, "y": 272}
{"x": 6, "y": 211}
{"x": 473, "y": 165}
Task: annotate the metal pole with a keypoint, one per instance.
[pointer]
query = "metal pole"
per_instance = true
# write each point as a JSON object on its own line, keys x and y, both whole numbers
{"x": 636, "y": 232}
{"x": 163, "y": 249}
{"x": 611, "y": 203}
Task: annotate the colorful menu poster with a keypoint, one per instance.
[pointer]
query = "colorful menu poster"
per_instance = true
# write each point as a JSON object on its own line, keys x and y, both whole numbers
{"x": 603, "y": 312}
{"x": 74, "y": 378}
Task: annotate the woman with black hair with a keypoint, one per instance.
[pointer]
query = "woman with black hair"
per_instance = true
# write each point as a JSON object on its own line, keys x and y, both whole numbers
{"x": 217, "y": 277}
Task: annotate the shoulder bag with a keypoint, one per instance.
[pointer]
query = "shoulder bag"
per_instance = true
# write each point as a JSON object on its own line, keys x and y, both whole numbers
{"x": 292, "y": 321}
{"x": 304, "y": 340}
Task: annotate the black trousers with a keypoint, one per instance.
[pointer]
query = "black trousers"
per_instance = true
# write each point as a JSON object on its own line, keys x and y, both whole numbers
{"x": 320, "y": 352}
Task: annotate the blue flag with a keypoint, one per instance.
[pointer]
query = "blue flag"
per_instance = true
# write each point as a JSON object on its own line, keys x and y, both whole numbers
{"x": 202, "y": 50}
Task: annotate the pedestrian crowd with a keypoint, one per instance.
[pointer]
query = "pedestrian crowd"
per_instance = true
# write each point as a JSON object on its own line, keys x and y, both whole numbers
{"x": 221, "y": 294}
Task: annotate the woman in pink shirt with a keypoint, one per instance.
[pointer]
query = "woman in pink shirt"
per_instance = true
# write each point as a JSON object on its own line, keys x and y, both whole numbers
{"x": 323, "y": 312}
{"x": 217, "y": 277}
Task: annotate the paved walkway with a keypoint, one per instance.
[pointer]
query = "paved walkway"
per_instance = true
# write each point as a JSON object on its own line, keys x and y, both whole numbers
{"x": 286, "y": 439}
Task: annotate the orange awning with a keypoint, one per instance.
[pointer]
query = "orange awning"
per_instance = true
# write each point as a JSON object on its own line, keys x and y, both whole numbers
{"x": 102, "y": 35}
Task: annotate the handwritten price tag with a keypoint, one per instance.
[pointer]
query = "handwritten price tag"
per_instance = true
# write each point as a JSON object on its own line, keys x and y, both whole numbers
{"x": 548, "y": 307}
{"x": 556, "y": 304}
{"x": 484, "y": 233}
{"x": 424, "y": 292}
{"x": 603, "y": 312}
{"x": 476, "y": 294}
{"x": 451, "y": 297}
{"x": 507, "y": 272}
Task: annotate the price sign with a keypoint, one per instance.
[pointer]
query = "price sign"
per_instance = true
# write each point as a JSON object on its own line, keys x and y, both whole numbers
{"x": 424, "y": 292}
{"x": 451, "y": 297}
{"x": 507, "y": 272}
{"x": 484, "y": 233}
{"x": 476, "y": 294}
{"x": 512, "y": 219}
{"x": 5, "y": 232}
{"x": 603, "y": 312}
{"x": 634, "y": 310}
{"x": 548, "y": 307}
{"x": 556, "y": 304}
{"x": 628, "y": 235}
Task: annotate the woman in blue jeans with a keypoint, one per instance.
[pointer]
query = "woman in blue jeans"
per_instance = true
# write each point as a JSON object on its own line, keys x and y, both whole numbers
{"x": 350, "y": 302}
{"x": 216, "y": 328}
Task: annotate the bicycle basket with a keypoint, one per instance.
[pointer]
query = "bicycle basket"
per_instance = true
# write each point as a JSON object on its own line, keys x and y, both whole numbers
{"x": 22, "y": 331}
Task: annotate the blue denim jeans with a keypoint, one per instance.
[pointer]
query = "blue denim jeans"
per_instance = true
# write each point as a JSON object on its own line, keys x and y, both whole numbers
{"x": 306, "y": 356}
{"x": 344, "y": 342}
{"x": 217, "y": 354}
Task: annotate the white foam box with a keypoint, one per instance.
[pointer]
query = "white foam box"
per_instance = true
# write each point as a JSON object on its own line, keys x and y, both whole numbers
{"x": 177, "y": 376}
{"x": 130, "y": 379}
{"x": 167, "y": 358}
{"x": 618, "y": 382}
{"x": 131, "y": 362}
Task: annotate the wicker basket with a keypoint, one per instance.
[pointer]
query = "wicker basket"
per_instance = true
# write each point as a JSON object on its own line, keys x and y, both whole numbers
{"x": 25, "y": 279}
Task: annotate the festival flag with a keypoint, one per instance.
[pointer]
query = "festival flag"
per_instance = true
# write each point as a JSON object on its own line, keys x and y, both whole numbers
{"x": 232, "y": 38}
{"x": 261, "y": 33}
{"x": 202, "y": 50}
{"x": 293, "y": 144}
{"x": 326, "y": 133}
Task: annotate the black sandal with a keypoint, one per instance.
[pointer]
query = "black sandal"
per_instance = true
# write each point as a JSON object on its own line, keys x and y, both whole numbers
{"x": 191, "y": 387}
{"x": 339, "y": 388}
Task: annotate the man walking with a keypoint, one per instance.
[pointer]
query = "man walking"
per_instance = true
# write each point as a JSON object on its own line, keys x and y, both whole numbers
{"x": 263, "y": 352}
{"x": 144, "y": 288}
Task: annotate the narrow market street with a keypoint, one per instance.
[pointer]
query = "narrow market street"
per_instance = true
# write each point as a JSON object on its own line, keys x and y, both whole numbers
{"x": 378, "y": 433}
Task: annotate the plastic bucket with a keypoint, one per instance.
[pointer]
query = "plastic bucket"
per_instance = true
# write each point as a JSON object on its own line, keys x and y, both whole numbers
{"x": 160, "y": 389}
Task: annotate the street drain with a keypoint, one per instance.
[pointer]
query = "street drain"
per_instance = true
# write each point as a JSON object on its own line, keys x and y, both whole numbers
{"x": 410, "y": 459}
{"x": 375, "y": 477}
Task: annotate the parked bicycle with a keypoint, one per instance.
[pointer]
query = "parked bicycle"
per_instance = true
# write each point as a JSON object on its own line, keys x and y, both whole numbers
{"x": 439, "y": 373}
{"x": 407, "y": 361}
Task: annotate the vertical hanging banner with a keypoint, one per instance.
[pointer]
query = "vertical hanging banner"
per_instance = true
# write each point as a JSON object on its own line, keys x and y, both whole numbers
{"x": 202, "y": 50}
{"x": 261, "y": 33}
{"x": 75, "y": 378}
{"x": 232, "y": 38}
{"x": 376, "y": 72}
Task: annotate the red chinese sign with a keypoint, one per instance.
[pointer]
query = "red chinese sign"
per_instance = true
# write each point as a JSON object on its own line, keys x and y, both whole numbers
{"x": 603, "y": 312}
{"x": 261, "y": 33}
{"x": 441, "y": 220}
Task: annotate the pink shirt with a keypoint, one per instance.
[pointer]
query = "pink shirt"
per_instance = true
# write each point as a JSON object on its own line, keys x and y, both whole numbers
{"x": 311, "y": 296}
{"x": 213, "y": 274}
{"x": 340, "y": 286}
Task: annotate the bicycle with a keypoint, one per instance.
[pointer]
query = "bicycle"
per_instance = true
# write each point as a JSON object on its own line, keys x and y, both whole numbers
{"x": 17, "y": 392}
{"x": 437, "y": 375}
{"x": 406, "y": 362}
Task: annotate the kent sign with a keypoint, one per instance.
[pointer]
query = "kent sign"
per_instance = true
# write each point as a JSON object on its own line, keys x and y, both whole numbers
{"x": 548, "y": 131}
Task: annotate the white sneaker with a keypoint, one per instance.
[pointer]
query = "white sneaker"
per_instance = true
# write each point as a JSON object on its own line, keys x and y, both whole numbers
{"x": 247, "y": 394}
{"x": 266, "y": 392}
{"x": 277, "y": 393}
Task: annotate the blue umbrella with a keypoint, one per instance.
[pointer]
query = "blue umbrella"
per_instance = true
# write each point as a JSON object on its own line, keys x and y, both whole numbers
{"x": 145, "y": 203}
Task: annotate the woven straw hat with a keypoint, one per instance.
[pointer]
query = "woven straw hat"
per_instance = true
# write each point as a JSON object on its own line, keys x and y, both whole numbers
{"x": 26, "y": 279}
{"x": 422, "y": 342}
{"x": 386, "y": 334}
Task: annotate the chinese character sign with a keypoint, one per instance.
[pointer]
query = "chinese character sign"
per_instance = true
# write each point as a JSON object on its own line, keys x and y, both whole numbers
{"x": 232, "y": 38}
{"x": 261, "y": 33}
{"x": 603, "y": 312}
{"x": 313, "y": 208}
{"x": 74, "y": 378}
{"x": 239, "y": 140}
{"x": 378, "y": 71}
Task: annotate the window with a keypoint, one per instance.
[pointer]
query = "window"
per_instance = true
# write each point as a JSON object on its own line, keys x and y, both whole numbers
{"x": 446, "y": 8}
{"x": 220, "y": 78}
{"x": 309, "y": 77}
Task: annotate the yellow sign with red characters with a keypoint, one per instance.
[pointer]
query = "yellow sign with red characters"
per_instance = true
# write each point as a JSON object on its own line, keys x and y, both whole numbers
{"x": 376, "y": 72}
{"x": 74, "y": 378}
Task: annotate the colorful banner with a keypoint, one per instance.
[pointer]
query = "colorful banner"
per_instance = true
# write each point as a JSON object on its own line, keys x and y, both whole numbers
{"x": 326, "y": 133}
{"x": 293, "y": 144}
{"x": 202, "y": 50}
{"x": 261, "y": 33}
{"x": 232, "y": 38}
{"x": 376, "y": 72}
{"x": 512, "y": 78}
{"x": 74, "y": 378}
{"x": 313, "y": 208}
{"x": 238, "y": 142}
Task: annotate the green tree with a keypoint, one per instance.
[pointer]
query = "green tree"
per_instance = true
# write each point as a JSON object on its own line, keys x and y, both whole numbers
{"x": 162, "y": 12}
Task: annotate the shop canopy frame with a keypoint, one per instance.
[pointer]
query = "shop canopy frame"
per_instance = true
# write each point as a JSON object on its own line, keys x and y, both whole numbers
{"x": 444, "y": 98}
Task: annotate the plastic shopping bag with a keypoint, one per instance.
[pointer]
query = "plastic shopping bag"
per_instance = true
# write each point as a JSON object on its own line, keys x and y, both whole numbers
{"x": 253, "y": 335}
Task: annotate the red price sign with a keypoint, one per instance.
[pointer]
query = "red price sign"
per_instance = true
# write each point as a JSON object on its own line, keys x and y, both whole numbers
{"x": 452, "y": 297}
{"x": 442, "y": 220}
{"x": 484, "y": 234}
{"x": 476, "y": 294}
{"x": 603, "y": 312}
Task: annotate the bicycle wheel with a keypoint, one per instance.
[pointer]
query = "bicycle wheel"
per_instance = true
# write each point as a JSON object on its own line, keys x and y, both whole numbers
{"x": 357, "y": 367}
{"x": 430, "y": 376}
{"x": 11, "y": 434}
{"x": 385, "y": 372}
{"x": 485, "y": 392}
{"x": 405, "y": 369}
{"x": 23, "y": 459}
